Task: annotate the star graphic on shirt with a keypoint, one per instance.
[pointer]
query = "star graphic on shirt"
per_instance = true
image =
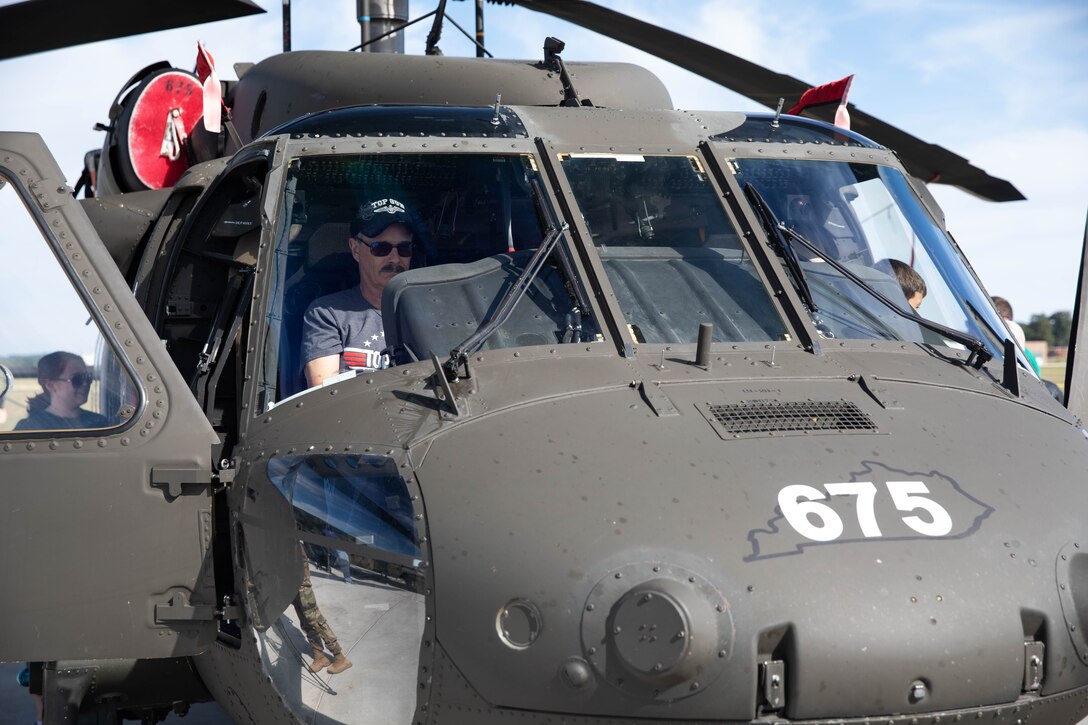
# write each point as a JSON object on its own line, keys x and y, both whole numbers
{"x": 373, "y": 337}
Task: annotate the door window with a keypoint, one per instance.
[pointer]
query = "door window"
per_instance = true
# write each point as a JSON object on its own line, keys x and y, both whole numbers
{"x": 59, "y": 374}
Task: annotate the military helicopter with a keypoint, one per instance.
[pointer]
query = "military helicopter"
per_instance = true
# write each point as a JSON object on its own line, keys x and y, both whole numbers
{"x": 654, "y": 433}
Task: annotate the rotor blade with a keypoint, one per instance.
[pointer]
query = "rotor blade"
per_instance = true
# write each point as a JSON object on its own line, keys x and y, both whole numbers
{"x": 34, "y": 26}
{"x": 927, "y": 161}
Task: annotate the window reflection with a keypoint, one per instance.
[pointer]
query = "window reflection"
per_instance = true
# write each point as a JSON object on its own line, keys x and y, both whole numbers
{"x": 349, "y": 634}
{"x": 349, "y": 500}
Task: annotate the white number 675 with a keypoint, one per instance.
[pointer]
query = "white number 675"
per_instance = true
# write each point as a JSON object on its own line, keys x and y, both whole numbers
{"x": 801, "y": 506}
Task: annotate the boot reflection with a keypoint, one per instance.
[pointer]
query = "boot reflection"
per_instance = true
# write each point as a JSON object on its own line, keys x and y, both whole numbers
{"x": 317, "y": 630}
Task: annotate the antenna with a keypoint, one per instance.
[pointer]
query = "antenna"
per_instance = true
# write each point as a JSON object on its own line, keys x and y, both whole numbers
{"x": 480, "y": 50}
{"x": 495, "y": 120}
{"x": 286, "y": 26}
{"x": 777, "y": 112}
{"x": 702, "y": 348}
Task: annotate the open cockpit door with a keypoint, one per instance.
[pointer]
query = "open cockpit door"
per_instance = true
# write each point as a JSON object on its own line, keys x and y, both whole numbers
{"x": 105, "y": 456}
{"x": 1076, "y": 372}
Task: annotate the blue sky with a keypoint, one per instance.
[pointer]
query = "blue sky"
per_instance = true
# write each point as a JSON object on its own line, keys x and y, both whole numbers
{"x": 1000, "y": 83}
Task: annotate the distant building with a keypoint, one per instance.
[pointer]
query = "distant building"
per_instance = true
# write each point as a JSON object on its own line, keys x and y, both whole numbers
{"x": 1039, "y": 348}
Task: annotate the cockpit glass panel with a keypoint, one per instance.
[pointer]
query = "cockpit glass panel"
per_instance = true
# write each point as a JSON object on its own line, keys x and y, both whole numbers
{"x": 671, "y": 255}
{"x": 349, "y": 499}
{"x": 58, "y": 374}
{"x": 867, "y": 218}
{"x": 336, "y": 570}
{"x": 468, "y": 225}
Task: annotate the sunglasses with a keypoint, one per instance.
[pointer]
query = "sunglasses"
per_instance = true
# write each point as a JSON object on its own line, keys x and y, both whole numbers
{"x": 382, "y": 249}
{"x": 78, "y": 380}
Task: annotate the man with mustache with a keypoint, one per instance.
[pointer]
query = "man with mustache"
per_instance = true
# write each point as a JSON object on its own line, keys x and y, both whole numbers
{"x": 343, "y": 331}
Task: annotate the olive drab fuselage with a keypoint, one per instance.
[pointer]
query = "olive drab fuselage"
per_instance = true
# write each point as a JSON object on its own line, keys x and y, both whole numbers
{"x": 835, "y": 512}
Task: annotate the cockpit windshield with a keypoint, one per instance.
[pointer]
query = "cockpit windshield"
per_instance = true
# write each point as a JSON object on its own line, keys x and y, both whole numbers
{"x": 868, "y": 219}
{"x": 387, "y": 258}
{"x": 671, "y": 255}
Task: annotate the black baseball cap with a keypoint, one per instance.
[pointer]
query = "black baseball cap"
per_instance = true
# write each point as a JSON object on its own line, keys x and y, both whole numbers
{"x": 376, "y": 216}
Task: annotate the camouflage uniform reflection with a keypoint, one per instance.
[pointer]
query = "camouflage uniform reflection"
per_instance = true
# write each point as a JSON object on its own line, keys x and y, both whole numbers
{"x": 315, "y": 627}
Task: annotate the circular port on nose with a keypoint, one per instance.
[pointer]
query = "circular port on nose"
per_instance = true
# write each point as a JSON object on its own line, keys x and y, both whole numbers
{"x": 519, "y": 623}
{"x": 657, "y": 631}
{"x": 650, "y": 631}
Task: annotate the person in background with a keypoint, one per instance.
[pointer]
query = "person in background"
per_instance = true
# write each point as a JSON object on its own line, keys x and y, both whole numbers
{"x": 317, "y": 630}
{"x": 912, "y": 284}
{"x": 31, "y": 677}
{"x": 1005, "y": 310}
{"x": 65, "y": 386}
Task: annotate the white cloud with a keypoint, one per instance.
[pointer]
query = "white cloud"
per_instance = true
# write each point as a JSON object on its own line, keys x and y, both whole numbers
{"x": 1027, "y": 251}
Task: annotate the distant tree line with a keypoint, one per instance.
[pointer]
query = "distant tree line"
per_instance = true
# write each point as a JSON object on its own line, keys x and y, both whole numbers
{"x": 21, "y": 365}
{"x": 1055, "y": 328}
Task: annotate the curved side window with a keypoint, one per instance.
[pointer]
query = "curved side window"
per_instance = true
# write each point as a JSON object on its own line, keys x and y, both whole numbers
{"x": 58, "y": 372}
{"x": 358, "y": 504}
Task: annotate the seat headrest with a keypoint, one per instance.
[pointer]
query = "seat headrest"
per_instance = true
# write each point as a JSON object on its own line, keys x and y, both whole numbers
{"x": 330, "y": 238}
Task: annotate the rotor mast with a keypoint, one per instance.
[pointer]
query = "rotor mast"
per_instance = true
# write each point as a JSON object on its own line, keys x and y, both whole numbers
{"x": 377, "y": 17}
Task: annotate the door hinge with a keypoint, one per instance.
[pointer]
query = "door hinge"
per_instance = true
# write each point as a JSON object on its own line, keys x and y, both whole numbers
{"x": 50, "y": 193}
{"x": 173, "y": 478}
{"x": 179, "y": 610}
{"x": 225, "y": 474}
{"x": 1034, "y": 654}
{"x": 772, "y": 677}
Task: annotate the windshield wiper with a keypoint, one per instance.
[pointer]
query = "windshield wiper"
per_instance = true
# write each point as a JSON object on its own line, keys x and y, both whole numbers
{"x": 772, "y": 225}
{"x": 979, "y": 354}
{"x": 459, "y": 355}
{"x": 1000, "y": 338}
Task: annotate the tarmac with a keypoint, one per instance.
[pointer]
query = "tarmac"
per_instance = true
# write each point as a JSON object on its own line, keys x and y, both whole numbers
{"x": 369, "y": 616}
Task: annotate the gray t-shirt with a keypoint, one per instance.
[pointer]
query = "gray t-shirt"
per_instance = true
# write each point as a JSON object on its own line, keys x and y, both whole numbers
{"x": 344, "y": 324}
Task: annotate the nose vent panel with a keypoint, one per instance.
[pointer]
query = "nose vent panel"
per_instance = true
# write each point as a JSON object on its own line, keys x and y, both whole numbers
{"x": 734, "y": 420}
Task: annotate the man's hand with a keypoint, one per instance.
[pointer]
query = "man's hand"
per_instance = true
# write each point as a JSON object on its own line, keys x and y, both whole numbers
{"x": 320, "y": 368}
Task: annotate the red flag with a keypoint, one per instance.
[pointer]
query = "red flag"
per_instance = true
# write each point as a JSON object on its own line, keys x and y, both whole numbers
{"x": 213, "y": 92}
{"x": 205, "y": 63}
{"x": 828, "y": 93}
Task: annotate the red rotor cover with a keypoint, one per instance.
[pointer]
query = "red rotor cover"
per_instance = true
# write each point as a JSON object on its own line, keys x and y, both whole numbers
{"x": 151, "y": 113}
